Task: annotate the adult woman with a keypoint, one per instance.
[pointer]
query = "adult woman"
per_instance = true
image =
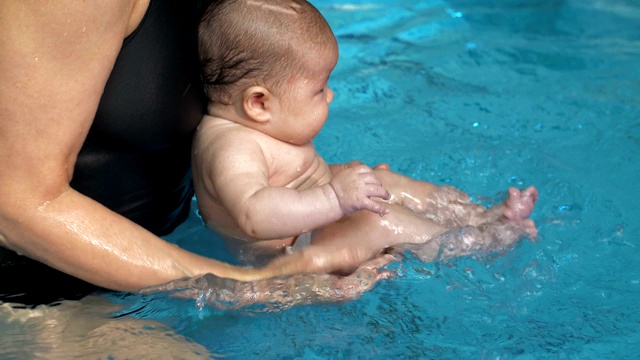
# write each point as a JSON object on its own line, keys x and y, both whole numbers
{"x": 99, "y": 101}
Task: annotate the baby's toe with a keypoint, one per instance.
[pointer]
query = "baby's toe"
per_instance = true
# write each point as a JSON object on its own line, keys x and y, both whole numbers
{"x": 531, "y": 193}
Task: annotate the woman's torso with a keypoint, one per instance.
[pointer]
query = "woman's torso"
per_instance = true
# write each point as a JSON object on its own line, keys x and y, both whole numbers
{"x": 136, "y": 158}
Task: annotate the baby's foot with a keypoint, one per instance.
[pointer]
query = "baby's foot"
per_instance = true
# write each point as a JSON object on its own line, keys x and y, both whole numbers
{"x": 520, "y": 206}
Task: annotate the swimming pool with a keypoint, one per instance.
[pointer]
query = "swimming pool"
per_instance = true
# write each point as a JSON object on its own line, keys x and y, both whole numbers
{"x": 482, "y": 95}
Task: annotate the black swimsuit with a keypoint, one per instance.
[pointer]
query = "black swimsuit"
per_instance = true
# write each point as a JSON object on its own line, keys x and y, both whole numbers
{"x": 136, "y": 158}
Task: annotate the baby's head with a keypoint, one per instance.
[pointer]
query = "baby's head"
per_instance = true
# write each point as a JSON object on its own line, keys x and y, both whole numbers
{"x": 259, "y": 42}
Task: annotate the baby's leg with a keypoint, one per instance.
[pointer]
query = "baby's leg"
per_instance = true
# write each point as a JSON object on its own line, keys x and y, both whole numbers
{"x": 406, "y": 191}
{"x": 473, "y": 228}
{"x": 344, "y": 245}
{"x": 452, "y": 226}
{"x": 516, "y": 209}
{"x": 452, "y": 208}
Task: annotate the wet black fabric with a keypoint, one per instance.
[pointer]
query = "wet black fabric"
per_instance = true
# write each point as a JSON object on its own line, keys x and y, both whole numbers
{"x": 27, "y": 283}
{"x": 136, "y": 158}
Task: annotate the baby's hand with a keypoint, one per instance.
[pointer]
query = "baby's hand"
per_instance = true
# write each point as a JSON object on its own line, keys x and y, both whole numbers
{"x": 355, "y": 186}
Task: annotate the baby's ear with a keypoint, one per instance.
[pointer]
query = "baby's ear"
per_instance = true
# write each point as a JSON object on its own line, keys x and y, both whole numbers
{"x": 257, "y": 103}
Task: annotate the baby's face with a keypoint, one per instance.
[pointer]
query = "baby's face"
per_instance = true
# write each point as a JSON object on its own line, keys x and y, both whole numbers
{"x": 306, "y": 97}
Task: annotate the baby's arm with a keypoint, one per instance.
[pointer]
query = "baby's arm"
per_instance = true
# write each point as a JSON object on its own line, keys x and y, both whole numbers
{"x": 417, "y": 195}
{"x": 234, "y": 170}
{"x": 355, "y": 186}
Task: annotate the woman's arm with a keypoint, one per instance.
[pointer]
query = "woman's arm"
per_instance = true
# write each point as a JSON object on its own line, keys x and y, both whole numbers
{"x": 55, "y": 58}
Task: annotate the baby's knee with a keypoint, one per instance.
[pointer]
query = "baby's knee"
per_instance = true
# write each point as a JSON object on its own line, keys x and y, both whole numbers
{"x": 368, "y": 218}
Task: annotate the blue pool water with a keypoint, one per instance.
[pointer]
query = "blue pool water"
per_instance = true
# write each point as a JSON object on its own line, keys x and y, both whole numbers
{"x": 481, "y": 95}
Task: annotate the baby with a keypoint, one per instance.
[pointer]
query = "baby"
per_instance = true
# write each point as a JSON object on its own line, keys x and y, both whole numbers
{"x": 259, "y": 181}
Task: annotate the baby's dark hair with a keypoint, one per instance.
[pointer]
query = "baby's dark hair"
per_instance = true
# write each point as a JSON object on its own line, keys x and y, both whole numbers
{"x": 256, "y": 42}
